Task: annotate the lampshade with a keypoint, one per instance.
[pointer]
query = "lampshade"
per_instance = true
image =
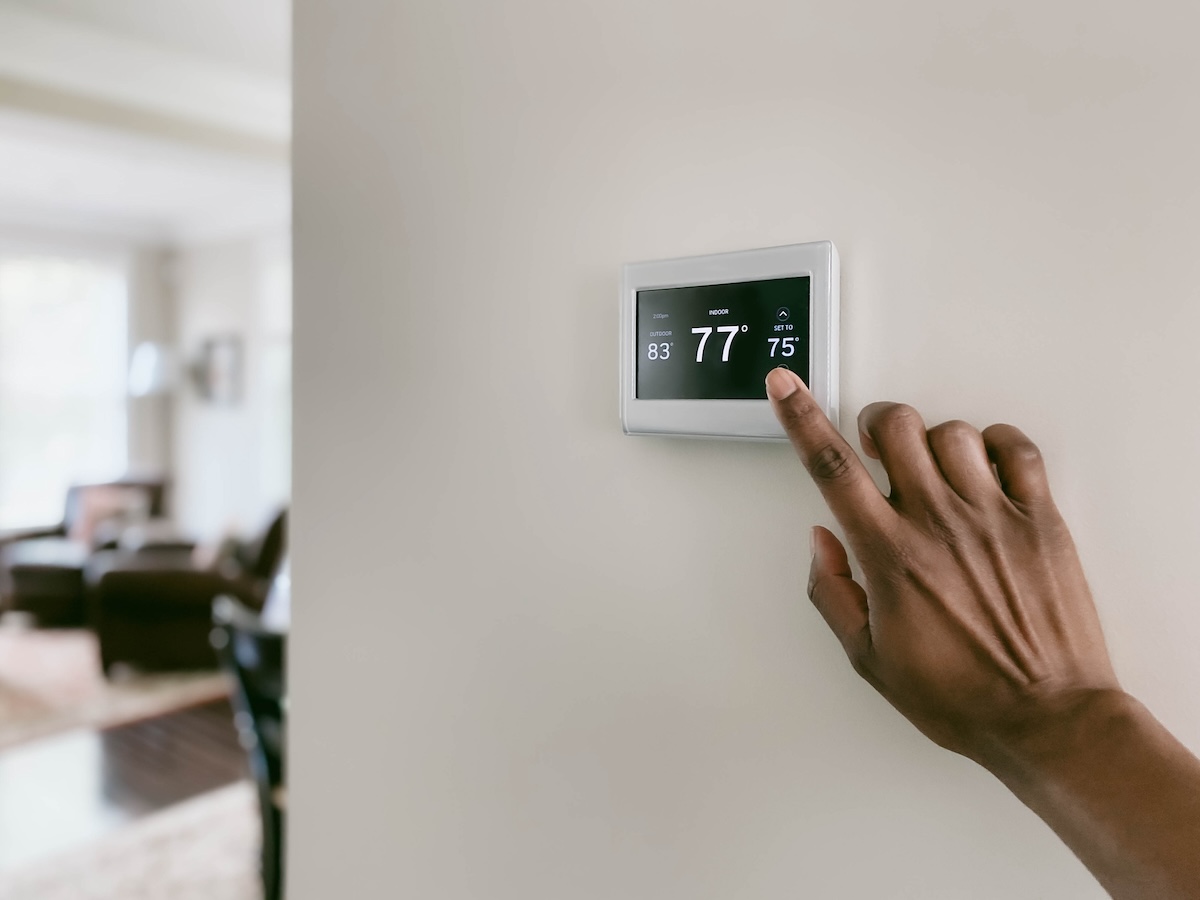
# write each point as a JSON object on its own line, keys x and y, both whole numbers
{"x": 153, "y": 370}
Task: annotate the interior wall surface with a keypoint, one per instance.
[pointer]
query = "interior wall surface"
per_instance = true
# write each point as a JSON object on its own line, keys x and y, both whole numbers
{"x": 535, "y": 658}
{"x": 151, "y": 318}
{"x": 230, "y": 472}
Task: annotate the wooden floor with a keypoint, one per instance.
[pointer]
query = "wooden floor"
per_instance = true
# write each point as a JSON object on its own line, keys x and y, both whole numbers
{"x": 63, "y": 790}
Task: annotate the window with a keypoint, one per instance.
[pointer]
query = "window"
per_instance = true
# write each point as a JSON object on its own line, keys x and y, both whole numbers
{"x": 63, "y": 357}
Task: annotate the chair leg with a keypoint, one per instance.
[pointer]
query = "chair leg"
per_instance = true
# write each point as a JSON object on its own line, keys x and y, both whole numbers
{"x": 272, "y": 850}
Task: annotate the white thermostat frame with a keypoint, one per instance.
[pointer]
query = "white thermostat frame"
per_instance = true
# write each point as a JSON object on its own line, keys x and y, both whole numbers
{"x": 734, "y": 419}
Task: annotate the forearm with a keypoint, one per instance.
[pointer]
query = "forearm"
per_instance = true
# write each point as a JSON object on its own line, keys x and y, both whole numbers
{"x": 1119, "y": 790}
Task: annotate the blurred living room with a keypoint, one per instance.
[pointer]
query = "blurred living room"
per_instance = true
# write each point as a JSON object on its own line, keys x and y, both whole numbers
{"x": 145, "y": 422}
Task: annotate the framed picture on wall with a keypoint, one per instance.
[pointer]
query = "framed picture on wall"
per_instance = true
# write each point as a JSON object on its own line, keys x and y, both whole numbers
{"x": 220, "y": 368}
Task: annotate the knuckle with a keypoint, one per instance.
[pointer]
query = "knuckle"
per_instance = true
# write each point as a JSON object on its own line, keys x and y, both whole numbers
{"x": 897, "y": 418}
{"x": 1026, "y": 455}
{"x": 832, "y": 462}
{"x": 1000, "y": 435}
{"x": 954, "y": 431}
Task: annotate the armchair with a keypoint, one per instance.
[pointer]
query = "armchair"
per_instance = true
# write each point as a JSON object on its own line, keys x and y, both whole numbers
{"x": 153, "y": 608}
{"x": 41, "y": 569}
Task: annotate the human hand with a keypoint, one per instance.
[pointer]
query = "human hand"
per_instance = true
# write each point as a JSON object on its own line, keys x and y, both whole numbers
{"x": 974, "y": 619}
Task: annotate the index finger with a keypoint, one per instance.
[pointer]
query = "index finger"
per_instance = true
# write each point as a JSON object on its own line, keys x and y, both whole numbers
{"x": 838, "y": 472}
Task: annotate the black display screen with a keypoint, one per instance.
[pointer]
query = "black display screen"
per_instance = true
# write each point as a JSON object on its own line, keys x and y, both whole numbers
{"x": 719, "y": 341}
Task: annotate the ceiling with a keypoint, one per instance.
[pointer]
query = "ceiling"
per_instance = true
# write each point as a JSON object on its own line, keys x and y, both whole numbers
{"x": 156, "y": 121}
{"x": 253, "y": 34}
{"x": 81, "y": 179}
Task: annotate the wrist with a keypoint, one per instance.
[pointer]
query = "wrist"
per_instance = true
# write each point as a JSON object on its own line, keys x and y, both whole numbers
{"x": 1060, "y": 729}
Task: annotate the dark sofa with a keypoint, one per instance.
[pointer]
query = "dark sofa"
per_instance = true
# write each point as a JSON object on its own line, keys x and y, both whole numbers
{"x": 153, "y": 608}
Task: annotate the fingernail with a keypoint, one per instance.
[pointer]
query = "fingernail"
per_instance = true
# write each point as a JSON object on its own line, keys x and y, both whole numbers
{"x": 782, "y": 383}
{"x": 812, "y": 542}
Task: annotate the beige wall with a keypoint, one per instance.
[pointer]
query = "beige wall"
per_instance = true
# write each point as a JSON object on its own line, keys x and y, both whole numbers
{"x": 151, "y": 318}
{"x": 535, "y": 658}
{"x": 229, "y": 473}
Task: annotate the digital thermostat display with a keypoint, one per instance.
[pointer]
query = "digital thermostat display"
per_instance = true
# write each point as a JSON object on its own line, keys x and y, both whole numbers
{"x": 719, "y": 341}
{"x": 700, "y": 333}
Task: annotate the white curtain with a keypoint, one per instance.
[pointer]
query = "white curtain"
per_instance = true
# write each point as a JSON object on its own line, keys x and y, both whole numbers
{"x": 63, "y": 360}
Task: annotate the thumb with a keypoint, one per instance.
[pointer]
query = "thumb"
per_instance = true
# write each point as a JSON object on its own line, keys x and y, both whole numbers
{"x": 839, "y": 599}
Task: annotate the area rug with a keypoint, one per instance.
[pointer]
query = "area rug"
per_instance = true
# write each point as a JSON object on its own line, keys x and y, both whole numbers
{"x": 50, "y": 681}
{"x": 203, "y": 849}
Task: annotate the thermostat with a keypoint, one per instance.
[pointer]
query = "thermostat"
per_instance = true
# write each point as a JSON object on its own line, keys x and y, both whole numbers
{"x": 700, "y": 334}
